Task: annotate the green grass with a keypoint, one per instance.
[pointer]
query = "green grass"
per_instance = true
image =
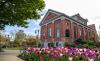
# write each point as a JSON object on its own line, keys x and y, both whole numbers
{"x": 14, "y": 48}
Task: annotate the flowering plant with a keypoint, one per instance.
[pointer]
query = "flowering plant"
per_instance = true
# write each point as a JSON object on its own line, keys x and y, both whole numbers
{"x": 64, "y": 54}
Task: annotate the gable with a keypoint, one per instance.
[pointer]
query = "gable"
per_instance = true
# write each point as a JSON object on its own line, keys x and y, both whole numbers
{"x": 49, "y": 15}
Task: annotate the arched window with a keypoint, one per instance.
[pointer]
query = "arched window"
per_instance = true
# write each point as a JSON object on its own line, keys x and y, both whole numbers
{"x": 67, "y": 33}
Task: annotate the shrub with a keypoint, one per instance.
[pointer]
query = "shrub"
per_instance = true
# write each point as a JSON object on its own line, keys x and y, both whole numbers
{"x": 29, "y": 57}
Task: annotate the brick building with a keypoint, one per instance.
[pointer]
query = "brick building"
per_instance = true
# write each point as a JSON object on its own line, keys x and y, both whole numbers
{"x": 59, "y": 28}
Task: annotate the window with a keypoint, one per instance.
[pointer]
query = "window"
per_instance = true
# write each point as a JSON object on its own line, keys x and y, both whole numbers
{"x": 50, "y": 32}
{"x": 57, "y": 44}
{"x": 67, "y": 33}
{"x": 75, "y": 33}
{"x": 80, "y": 33}
{"x": 58, "y": 32}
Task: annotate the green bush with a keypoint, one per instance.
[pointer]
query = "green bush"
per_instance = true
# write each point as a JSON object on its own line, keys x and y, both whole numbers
{"x": 32, "y": 57}
{"x": 29, "y": 57}
{"x": 90, "y": 44}
{"x": 51, "y": 44}
{"x": 79, "y": 43}
{"x": 67, "y": 44}
{"x": 0, "y": 49}
{"x": 72, "y": 44}
{"x": 97, "y": 59}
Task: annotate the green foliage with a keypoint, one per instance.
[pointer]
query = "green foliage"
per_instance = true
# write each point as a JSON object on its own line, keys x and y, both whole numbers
{"x": 14, "y": 44}
{"x": 13, "y": 48}
{"x": 1, "y": 49}
{"x": 31, "y": 41}
{"x": 66, "y": 44}
{"x": 51, "y": 44}
{"x": 19, "y": 37}
{"x": 79, "y": 41}
{"x": 82, "y": 43}
{"x": 80, "y": 58}
{"x": 89, "y": 44}
{"x": 29, "y": 57}
{"x": 98, "y": 37}
{"x": 16, "y": 12}
{"x": 72, "y": 44}
{"x": 97, "y": 59}
{"x": 4, "y": 40}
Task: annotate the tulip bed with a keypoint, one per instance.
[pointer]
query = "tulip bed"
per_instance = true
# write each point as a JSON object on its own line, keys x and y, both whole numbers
{"x": 61, "y": 54}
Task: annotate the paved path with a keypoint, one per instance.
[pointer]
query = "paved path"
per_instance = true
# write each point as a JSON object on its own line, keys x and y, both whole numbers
{"x": 10, "y": 55}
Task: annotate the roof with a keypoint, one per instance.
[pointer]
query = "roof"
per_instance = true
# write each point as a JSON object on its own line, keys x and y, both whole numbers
{"x": 92, "y": 26}
{"x": 81, "y": 18}
{"x": 62, "y": 14}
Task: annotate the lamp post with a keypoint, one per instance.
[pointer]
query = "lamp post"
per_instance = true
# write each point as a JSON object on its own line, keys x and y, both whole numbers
{"x": 37, "y": 35}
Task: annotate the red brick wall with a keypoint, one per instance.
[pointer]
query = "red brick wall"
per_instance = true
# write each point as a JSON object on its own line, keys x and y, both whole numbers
{"x": 50, "y": 25}
{"x": 66, "y": 24}
{"x": 44, "y": 33}
{"x": 60, "y": 26}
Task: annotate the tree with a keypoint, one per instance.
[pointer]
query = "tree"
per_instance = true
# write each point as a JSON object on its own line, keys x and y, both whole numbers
{"x": 32, "y": 41}
{"x": 20, "y": 37}
{"x": 3, "y": 39}
{"x": 16, "y": 12}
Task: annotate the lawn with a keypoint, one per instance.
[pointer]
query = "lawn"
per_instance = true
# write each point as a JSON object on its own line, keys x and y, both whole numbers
{"x": 13, "y": 48}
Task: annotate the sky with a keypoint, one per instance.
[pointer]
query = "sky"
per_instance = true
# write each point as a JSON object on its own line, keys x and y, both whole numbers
{"x": 89, "y": 9}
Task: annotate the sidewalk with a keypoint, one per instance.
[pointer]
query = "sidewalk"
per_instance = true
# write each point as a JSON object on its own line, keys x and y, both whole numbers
{"x": 10, "y": 55}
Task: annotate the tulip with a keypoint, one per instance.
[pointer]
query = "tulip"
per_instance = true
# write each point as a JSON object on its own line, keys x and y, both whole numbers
{"x": 60, "y": 52}
{"x": 91, "y": 59}
{"x": 70, "y": 58}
